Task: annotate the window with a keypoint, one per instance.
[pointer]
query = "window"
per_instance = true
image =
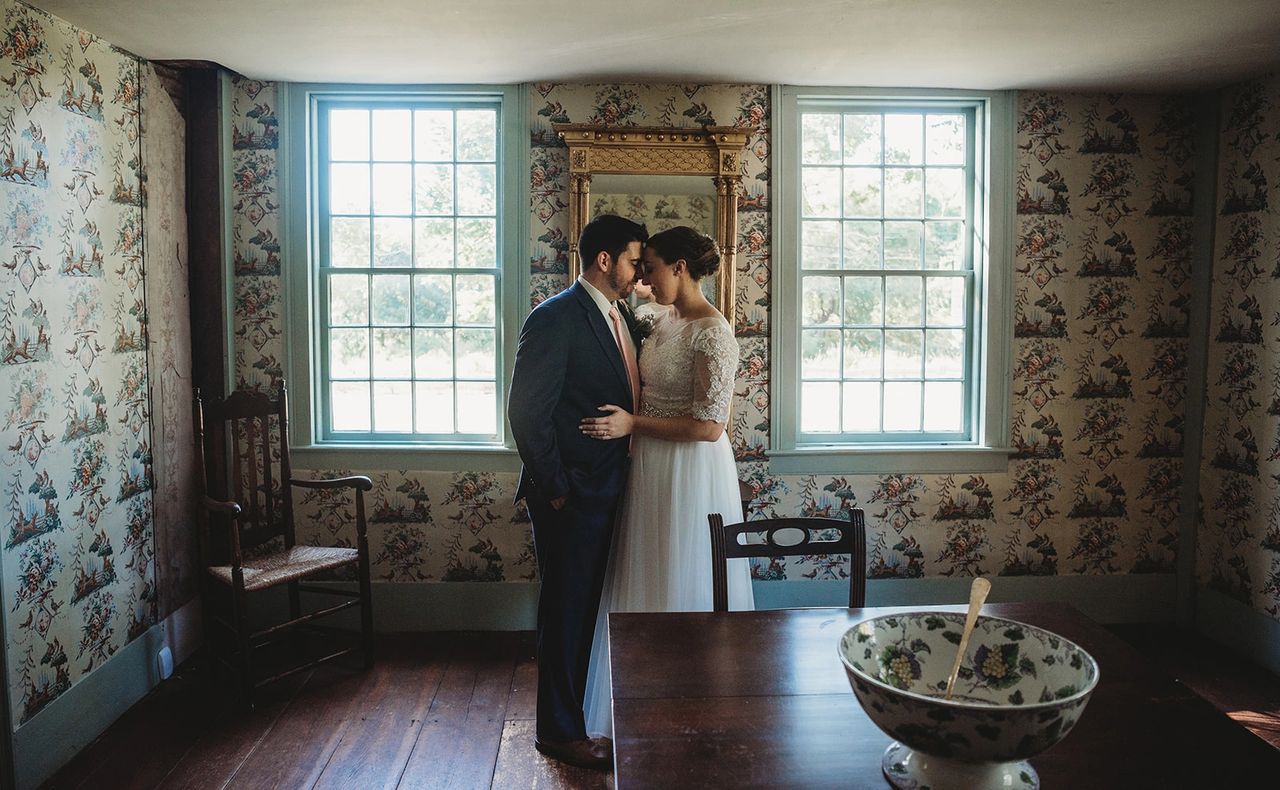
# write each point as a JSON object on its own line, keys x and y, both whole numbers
{"x": 889, "y": 292}
{"x": 412, "y": 314}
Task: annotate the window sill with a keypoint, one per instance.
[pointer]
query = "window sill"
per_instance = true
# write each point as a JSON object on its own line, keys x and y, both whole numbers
{"x": 887, "y": 459}
{"x": 412, "y": 457}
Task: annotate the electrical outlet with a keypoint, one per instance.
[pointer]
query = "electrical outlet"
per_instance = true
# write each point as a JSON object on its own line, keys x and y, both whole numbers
{"x": 164, "y": 662}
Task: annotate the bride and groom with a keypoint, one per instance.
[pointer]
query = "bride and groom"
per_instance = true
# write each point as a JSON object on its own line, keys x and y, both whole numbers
{"x": 625, "y": 452}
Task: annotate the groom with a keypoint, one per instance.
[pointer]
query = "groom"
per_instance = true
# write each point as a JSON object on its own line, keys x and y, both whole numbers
{"x": 576, "y": 352}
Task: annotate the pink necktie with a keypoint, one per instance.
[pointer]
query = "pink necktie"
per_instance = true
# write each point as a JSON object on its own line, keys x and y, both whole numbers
{"x": 628, "y": 359}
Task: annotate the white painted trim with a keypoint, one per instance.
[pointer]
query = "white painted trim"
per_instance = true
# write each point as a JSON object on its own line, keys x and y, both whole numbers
{"x": 513, "y": 606}
{"x": 183, "y": 631}
{"x": 1242, "y": 628}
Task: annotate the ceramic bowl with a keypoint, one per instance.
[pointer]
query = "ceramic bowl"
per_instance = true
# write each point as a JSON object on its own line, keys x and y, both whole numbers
{"x": 1020, "y": 690}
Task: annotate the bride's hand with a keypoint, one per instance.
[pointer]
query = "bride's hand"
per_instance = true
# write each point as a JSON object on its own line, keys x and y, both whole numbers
{"x": 616, "y": 424}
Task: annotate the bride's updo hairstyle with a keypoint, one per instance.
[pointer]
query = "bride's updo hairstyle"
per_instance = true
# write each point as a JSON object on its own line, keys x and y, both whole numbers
{"x": 699, "y": 251}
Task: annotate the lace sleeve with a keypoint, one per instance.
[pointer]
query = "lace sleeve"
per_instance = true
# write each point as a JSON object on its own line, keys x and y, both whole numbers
{"x": 715, "y": 361}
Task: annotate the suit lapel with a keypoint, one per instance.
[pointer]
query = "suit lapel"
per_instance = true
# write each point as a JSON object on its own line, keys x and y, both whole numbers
{"x": 604, "y": 334}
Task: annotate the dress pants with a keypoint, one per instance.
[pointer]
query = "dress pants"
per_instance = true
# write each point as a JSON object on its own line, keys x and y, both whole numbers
{"x": 572, "y": 547}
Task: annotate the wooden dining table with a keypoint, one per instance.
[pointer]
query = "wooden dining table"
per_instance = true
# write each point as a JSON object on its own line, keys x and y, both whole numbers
{"x": 760, "y": 699}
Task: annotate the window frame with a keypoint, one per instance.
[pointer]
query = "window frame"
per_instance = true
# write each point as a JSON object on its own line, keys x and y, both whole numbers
{"x": 302, "y": 276}
{"x": 989, "y": 320}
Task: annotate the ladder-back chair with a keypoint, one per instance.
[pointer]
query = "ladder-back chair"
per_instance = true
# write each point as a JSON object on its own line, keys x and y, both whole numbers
{"x": 247, "y": 537}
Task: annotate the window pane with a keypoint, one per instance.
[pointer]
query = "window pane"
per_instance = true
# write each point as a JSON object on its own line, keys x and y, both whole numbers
{"x": 819, "y": 407}
{"x": 902, "y": 406}
{"x": 391, "y": 135}
{"x": 862, "y": 139}
{"x": 433, "y": 407}
{"x": 433, "y": 135}
{"x": 349, "y": 242}
{"x": 433, "y": 246}
{"x": 944, "y": 139}
{"x": 903, "y": 357}
{"x": 348, "y": 189}
{"x": 475, "y": 353}
{"x": 348, "y": 353}
{"x": 391, "y": 354}
{"x": 393, "y": 406}
{"x": 820, "y": 192}
{"x": 862, "y": 187}
{"x": 433, "y": 189}
{"x": 390, "y": 303}
{"x": 862, "y": 353}
{"x": 944, "y": 353}
{"x": 862, "y": 406}
{"x": 944, "y": 193}
{"x": 903, "y": 139}
{"x": 478, "y": 243}
{"x": 433, "y": 354}
{"x": 903, "y": 301}
{"x": 862, "y": 245}
{"x": 392, "y": 241}
{"x": 863, "y": 300}
{"x": 821, "y": 301}
{"x": 432, "y": 299}
{"x": 348, "y": 299}
{"x": 820, "y": 354}
{"x": 819, "y": 139}
{"x": 349, "y": 134}
{"x": 946, "y": 301}
{"x": 349, "y": 404}
{"x": 902, "y": 242}
{"x": 392, "y": 189}
{"x": 904, "y": 192}
{"x": 477, "y": 189}
{"x": 477, "y": 136}
{"x": 477, "y": 407}
{"x": 943, "y": 406}
{"x": 944, "y": 245}
{"x": 475, "y": 296}
{"x": 820, "y": 244}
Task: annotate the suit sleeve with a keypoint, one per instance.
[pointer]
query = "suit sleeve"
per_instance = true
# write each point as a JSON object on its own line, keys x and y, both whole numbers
{"x": 541, "y": 364}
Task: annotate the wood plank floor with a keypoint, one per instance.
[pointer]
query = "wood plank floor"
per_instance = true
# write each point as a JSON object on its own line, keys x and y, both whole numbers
{"x": 451, "y": 710}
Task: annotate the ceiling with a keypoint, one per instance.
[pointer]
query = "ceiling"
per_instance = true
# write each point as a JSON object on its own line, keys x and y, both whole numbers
{"x": 1132, "y": 45}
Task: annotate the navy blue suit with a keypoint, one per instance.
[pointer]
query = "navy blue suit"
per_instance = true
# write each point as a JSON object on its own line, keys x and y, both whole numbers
{"x": 567, "y": 365}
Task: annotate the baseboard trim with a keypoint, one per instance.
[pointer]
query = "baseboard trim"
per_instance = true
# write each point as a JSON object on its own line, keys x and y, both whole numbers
{"x": 1131, "y": 598}
{"x": 73, "y": 720}
{"x": 513, "y": 606}
{"x": 1239, "y": 627}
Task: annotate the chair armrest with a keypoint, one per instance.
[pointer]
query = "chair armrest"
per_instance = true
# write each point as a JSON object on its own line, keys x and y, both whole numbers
{"x": 359, "y": 482}
{"x": 222, "y": 508}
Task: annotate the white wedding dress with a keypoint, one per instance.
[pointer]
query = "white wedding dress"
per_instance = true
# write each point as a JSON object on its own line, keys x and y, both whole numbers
{"x": 661, "y": 558}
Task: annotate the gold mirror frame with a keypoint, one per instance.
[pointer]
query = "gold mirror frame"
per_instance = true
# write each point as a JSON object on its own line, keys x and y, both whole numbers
{"x": 713, "y": 151}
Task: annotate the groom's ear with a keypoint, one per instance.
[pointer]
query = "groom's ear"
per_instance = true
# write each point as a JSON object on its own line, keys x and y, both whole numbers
{"x": 603, "y": 261}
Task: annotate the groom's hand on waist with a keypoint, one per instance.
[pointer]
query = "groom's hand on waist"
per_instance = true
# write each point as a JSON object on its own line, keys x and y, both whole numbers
{"x": 558, "y": 502}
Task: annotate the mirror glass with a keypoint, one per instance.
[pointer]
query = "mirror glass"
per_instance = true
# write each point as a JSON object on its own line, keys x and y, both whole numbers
{"x": 659, "y": 202}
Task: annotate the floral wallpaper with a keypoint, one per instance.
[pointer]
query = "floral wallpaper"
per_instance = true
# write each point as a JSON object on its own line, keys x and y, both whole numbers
{"x": 78, "y": 550}
{"x": 1238, "y": 550}
{"x": 1103, "y": 250}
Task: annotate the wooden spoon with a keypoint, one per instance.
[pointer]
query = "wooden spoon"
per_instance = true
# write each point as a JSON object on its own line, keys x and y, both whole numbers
{"x": 977, "y": 596}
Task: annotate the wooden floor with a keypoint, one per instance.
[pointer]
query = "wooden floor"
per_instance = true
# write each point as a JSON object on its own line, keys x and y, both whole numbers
{"x": 449, "y": 710}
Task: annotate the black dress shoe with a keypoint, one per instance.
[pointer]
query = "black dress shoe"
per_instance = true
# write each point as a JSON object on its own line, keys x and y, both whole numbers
{"x": 594, "y": 753}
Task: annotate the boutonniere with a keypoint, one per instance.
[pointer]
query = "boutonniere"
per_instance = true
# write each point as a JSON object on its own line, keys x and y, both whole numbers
{"x": 644, "y": 327}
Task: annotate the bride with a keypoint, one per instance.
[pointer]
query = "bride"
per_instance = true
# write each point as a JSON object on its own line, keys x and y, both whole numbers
{"x": 682, "y": 466}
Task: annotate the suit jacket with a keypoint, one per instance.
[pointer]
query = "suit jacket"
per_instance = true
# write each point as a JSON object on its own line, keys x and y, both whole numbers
{"x": 567, "y": 365}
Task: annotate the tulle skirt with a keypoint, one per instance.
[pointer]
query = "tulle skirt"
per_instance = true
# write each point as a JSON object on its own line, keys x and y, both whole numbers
{"x": 661, "y": 557}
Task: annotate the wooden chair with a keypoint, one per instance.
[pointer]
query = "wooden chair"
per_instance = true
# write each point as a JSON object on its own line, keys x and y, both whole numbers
{"x": 851, "y": 540}
{"x": 247, "y": 538}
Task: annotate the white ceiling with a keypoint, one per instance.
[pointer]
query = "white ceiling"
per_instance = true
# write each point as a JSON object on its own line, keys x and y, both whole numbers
{"x": 1157, "y": 45}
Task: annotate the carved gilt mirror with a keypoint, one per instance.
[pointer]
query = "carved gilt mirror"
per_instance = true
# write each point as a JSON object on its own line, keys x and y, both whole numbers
{"x": 662, "y": 177}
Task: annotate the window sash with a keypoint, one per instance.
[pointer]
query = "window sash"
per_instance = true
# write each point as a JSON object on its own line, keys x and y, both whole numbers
{"x": 968, "y": 273}
{"x": 323, "y": 270}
